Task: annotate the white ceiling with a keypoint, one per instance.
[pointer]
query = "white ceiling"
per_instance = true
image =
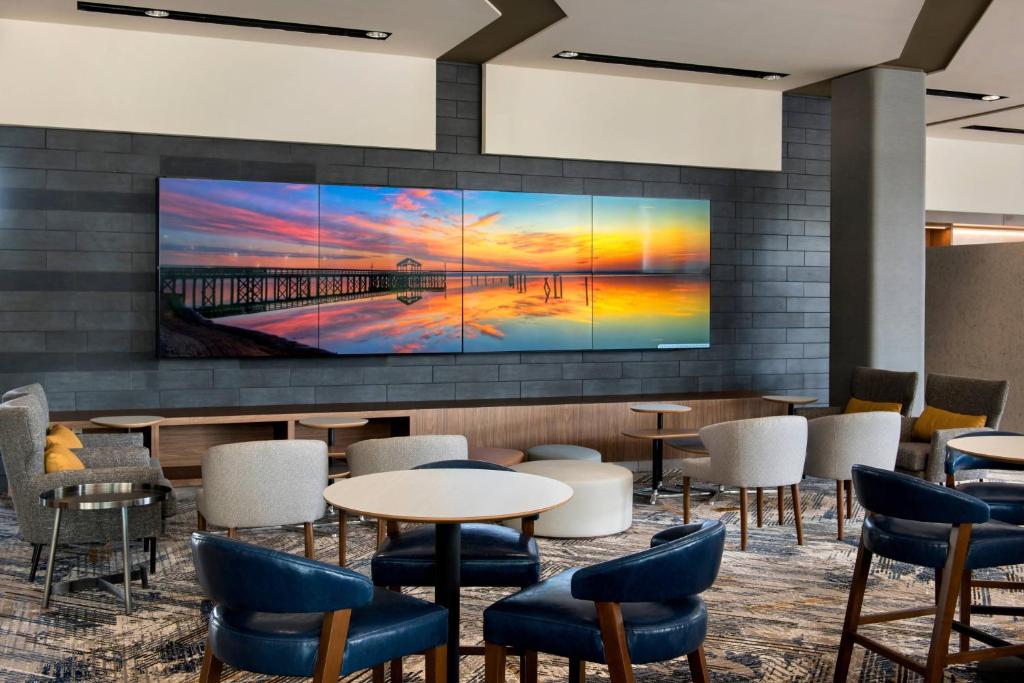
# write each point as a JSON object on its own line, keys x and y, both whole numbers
{"x": 420, "y": 28}
{"x": 991, "y": 60}
{"x": 809, "y": 40}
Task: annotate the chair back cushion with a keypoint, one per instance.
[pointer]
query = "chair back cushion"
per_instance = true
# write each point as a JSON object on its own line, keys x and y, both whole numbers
{"x": 57, "y": 458}
{"x": 835, "y": 443}
{"x": 464, "y": 465}
{"x": 900, "y": 495}
{"x": 63, "y": 436}
{"x": 886, "y": 386}
{"x": 36, "y": 390}
{"x": 404, "y": 452}
{"x": 669, "y": 571}
{"x": 957, "y": 461}
{"x": 759, "y": 452}
{"x": 248, "y": 577}
{"x": 856, "y": 405}
{"x": 933, "y": 419}
{"x": 264, "y": 483}
{"x": 968, "y": 396}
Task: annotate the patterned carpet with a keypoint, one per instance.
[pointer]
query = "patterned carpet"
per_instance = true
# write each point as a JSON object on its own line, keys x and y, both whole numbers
{"x": 775, "y": 611}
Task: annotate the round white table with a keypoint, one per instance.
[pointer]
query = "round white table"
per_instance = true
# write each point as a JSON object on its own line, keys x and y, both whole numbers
{"x": 448, "y": 498}
{"x": 790, "y": 401}
{"x": 657, "y": 437}
{"x": 130, "y": 422}
{"x": 1006, "y": 448}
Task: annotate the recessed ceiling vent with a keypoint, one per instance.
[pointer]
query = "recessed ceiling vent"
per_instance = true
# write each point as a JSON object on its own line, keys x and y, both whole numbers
{"x": 675, "y": 66}
{"x": 996, "y": 129}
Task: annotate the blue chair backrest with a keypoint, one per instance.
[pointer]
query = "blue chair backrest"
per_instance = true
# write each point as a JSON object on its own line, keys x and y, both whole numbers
{"x": 892, "y": 494}
{"x": 958, "y": 460}
{"x": 251, "y": 578}
{"x": 670, "y": 571}
{"x": 463, "y": 465}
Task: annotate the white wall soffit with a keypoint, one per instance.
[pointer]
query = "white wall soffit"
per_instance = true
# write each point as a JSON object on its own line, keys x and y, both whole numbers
{"x": 543, "y": 112}
{"x": 966, "y": 175}
{"x": 65, "y": 76}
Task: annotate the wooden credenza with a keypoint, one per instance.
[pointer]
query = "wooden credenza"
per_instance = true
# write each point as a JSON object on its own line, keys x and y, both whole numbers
{"x": 597, "y": 422}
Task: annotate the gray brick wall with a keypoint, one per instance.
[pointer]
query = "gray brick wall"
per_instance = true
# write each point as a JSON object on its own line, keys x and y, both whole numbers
{"x": 77, "y": 263}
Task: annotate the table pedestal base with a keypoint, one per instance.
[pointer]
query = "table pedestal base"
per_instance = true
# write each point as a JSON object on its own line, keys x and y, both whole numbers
{"x": 111, "y": 583}
{"x": 448, "y": 551}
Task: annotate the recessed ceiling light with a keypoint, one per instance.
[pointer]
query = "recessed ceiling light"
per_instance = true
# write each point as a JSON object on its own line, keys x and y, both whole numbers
{"x": 676, "y": 66}
{"x": 158, "y": 13}
{"x": 991, "y": 98}
{"x": 377, "y": 35}
{"x": 961, "y": 95}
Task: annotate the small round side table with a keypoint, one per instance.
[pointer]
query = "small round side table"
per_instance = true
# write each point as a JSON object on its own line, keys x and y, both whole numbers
{"x": 130, "y": 422}
{"x": 790, "y": 401}
{"x": 111, "y": 496}
{"x": 657, "y": 437}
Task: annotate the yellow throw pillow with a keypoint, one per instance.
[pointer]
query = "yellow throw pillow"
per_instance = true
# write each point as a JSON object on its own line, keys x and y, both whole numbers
{"x": 59, "y": 459}
{"x": 855, "y": 405}
{"x": 934, "y": 419}
{"x": 63, "y": 436}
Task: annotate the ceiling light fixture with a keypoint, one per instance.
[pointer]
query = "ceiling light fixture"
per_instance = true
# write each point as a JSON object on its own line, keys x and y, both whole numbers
{"x": 961, "y": 95}
{"x": 675, "y": 66}
{"x": 222, "y": 20}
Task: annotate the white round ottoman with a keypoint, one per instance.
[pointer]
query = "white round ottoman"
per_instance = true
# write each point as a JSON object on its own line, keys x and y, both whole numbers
{"x": 562, "y": 451}
{"x": 602, "y": 501}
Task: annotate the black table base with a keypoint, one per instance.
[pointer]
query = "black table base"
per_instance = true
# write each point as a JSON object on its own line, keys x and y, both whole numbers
{"x": 448, "y": 550}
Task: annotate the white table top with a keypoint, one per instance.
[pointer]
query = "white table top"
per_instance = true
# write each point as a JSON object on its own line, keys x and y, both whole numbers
{"x": 447, "y": 495}
{"x": 333, "y": 422}
{"x": 659, "y": 408}
{"x": 794, "y": 400}
{"x": 1008, "y": 448}
{"x": 127, "y": 421}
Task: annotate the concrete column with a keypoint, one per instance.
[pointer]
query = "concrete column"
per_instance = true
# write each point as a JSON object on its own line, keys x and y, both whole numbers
{"x": 878, "y": 148}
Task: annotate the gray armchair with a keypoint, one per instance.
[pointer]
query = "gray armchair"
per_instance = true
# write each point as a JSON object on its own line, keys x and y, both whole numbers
{"x": 22, "y": 441}
{"x": 963, "y": 395}
{"x": 873, "y": 384}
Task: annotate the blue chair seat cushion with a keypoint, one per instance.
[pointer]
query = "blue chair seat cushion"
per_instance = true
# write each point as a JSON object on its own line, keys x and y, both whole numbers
{"x": 286, "y": 644}
{"x": 545, "y": 617}
{"x": 1005, "y": 499}
{"x": 492, "y": 555}
{"x": 926, "y": 544}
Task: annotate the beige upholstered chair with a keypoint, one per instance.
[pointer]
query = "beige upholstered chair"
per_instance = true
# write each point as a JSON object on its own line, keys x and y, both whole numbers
{"x": 835, "y": 443}
{"x": 396, "y": 453}
{"x": 760, "y": 453}
{"x": 264, "y": 483}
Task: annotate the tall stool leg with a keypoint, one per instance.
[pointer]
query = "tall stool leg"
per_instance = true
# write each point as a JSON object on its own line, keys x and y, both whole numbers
{"x": 760, "y": 507}
{"x": 743, "y": 518}
{"x": 494, "y": 663}
{"x": 952, "y": 575}
{"x": 853, "y": 607}
{"x": 965, "y": 609}
{"x": 698, "y": 666}
{"x": 839, "y": 507}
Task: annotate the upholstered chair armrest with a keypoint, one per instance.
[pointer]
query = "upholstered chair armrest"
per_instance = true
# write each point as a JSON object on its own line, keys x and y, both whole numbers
{"x": 937, "y": 457}
{"x": 687, "y": 566}
{"x": 900, "y": 495}
{"x": 104, "y": 439}
{"x": 113, "y": 456}
{"x": 677, "y": 532}
{"x": 249, "y": 577}
{"x": 42, "y": 483}
{"x": 906, "y": 427}
{"x": 819, "y": 411}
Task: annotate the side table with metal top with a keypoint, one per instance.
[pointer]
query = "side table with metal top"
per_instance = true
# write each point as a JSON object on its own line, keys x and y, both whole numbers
{"x": 90, "y": 497}
{"x": 657, "y": 437}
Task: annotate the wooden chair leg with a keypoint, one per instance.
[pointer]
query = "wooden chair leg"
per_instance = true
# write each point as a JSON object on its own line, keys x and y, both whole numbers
{"x": 965, "y": 609}
{"x": 952, "y": 575}
{"x": 494, "y": 663}
{"x": 849, "y": 499}
{"x": 233, "y": 532}
{"x": 528, "y": 667}
{"x": 342, "y": 537}
{"x": 613, "y": 636}
{"x": 577, "y": 671}
{"x": 760, "y": 507}
{"x": 938, "y": 583}
{"x": 743, "y": 518}
{"x": 686, "y": 500}
{"x": 797, "y": 514}
{"x": 200, "y": 521}
{"x": 307, "y": 532}
{"x": 378, "y": 674}
{"x": 330, "y": 654}
{"x": 781, "y": 500}
{"x": 396, "y": 670}
{"x": 861, "y": 570}
{"x": 212, "y": 667}
{"x": 839, "y": 506}
{"x": 436, "y": 664}
{"x": 698, "y": 666}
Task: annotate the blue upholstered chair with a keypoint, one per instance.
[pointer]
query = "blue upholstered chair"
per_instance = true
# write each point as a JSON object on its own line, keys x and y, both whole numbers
{"x": 641, "y": 608}
{"x": 492, "y": 555}
{"x": 928, "y": 525}
{"x": 282, "y": 615}
{"x": 1005, "y": 499}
